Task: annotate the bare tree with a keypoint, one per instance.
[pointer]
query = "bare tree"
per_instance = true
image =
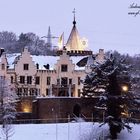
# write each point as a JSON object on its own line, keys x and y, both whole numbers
{"x": 7, "y": 108}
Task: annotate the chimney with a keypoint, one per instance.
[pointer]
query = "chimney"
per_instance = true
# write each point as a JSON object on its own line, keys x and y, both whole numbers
{"x": 37, "y": 66}
{"x": 1, "y": 51}
{"x": 101, "y": 51}
{"x": 47, "y": 66}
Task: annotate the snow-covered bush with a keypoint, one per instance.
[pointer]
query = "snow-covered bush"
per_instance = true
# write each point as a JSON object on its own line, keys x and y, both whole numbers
{"x": 7, "y": 107}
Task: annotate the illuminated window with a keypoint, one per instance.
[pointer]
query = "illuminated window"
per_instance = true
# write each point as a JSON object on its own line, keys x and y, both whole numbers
{"x": 26, "y": 106}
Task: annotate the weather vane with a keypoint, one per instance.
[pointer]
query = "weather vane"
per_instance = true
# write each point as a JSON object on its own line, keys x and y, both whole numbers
{"x": 74, "y": 11}
{"x": 74, "y": 22}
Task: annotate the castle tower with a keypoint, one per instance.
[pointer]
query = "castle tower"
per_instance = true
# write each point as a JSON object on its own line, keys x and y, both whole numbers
{"x": 74, "y": 42}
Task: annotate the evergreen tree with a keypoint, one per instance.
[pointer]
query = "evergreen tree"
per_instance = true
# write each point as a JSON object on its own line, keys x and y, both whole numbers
{"x": 110, "y": 81}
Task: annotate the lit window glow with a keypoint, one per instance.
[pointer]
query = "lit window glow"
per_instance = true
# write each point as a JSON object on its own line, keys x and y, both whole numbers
{"x": 26, "y": 109}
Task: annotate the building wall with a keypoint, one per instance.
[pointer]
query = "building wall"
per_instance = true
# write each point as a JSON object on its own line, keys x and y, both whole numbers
{"x": 14, "y": 74}
{"x": 3, "y": 65}
{"x": 63, "y": 108}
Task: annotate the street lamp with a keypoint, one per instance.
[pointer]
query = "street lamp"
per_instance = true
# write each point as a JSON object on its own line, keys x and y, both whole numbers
{"x": 124, "y": 88}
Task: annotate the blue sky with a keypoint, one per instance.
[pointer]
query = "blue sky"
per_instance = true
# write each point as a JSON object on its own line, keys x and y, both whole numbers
{"x": 106, "y": 24}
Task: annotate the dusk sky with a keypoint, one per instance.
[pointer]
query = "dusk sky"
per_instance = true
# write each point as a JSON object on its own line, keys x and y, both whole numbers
{"x": 106, "y": 24}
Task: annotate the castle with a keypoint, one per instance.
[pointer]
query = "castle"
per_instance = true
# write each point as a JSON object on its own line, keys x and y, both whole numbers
{"x": 50, "y": 76}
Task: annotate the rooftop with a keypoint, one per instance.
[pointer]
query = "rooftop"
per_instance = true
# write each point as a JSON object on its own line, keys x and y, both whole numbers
{"x": 42, "y": 60}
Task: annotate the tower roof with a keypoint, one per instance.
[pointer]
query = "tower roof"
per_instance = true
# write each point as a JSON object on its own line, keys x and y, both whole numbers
{"x": 74, "y": 41}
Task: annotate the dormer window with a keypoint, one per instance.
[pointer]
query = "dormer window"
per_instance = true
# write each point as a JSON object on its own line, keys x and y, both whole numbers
{"x": 25, "y": 66}
{"x": 3, "y": 66}
{"x": 64, "y": 68}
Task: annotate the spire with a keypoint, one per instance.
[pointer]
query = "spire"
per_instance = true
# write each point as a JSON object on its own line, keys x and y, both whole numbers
{"x": 74, "y": 41}
{"x": 74, "y": 22}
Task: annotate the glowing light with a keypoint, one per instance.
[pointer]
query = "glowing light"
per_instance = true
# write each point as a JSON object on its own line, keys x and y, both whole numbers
{"x": 26, "y": 109}
{"x": 125, "y": 114}
{"x": 125, "y": 88}
{"x": 84, "y": 43}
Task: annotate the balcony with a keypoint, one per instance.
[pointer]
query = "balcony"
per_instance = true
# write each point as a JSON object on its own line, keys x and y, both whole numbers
{"x": 63, "y": 90}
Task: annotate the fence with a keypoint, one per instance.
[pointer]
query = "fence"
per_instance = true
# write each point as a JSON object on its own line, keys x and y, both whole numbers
{"x": 70, "y": 118}
{"x": 56, "y": 119}
{"x": 75, "y": 128}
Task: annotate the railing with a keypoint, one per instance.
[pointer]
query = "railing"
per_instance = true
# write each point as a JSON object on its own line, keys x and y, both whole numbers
{"x": 70, "y": 118}
{"x": 63, "y": 86}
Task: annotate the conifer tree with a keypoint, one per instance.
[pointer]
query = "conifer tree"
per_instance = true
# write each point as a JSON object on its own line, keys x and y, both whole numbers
{"x": 110, "y": 81}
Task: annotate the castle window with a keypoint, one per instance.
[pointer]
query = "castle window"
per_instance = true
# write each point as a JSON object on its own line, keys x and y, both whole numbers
{"x": 79, "y": 80}
{"x": 38, "y": 91}
{"x": 3, "y": 66}
{"x": 26, "y": 66}
{"x": 79, "y": 93}
{"x": 22, "y": 79}
{"x": 47, "y": 91}
{"x": 70, "y": 81}
{"x": 19, "y": 91}
{"x": 37, "y": 81}
{"x": 64, "y": 68}
{"x": 29, "y": 79}
{"x": 12, "y": 79}
{"x": 48, "y": 80}
{"x": 64, "y": 81}
{"x": 58, "y": 81}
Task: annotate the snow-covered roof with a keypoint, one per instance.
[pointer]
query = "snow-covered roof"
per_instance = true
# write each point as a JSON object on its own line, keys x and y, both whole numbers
{"x": 75, "y": 60}
{"x": 11, "y": 59}
{"x": 43, "y": 60}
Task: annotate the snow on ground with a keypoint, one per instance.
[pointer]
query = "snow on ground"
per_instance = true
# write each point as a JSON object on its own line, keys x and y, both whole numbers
{"x": 69, "y": 131}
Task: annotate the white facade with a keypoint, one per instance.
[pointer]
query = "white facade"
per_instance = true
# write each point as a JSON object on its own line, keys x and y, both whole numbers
{"x": 31, "y": 76}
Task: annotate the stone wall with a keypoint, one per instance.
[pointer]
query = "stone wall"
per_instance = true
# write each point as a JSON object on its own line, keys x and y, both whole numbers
{"x": 64, "y": 108}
